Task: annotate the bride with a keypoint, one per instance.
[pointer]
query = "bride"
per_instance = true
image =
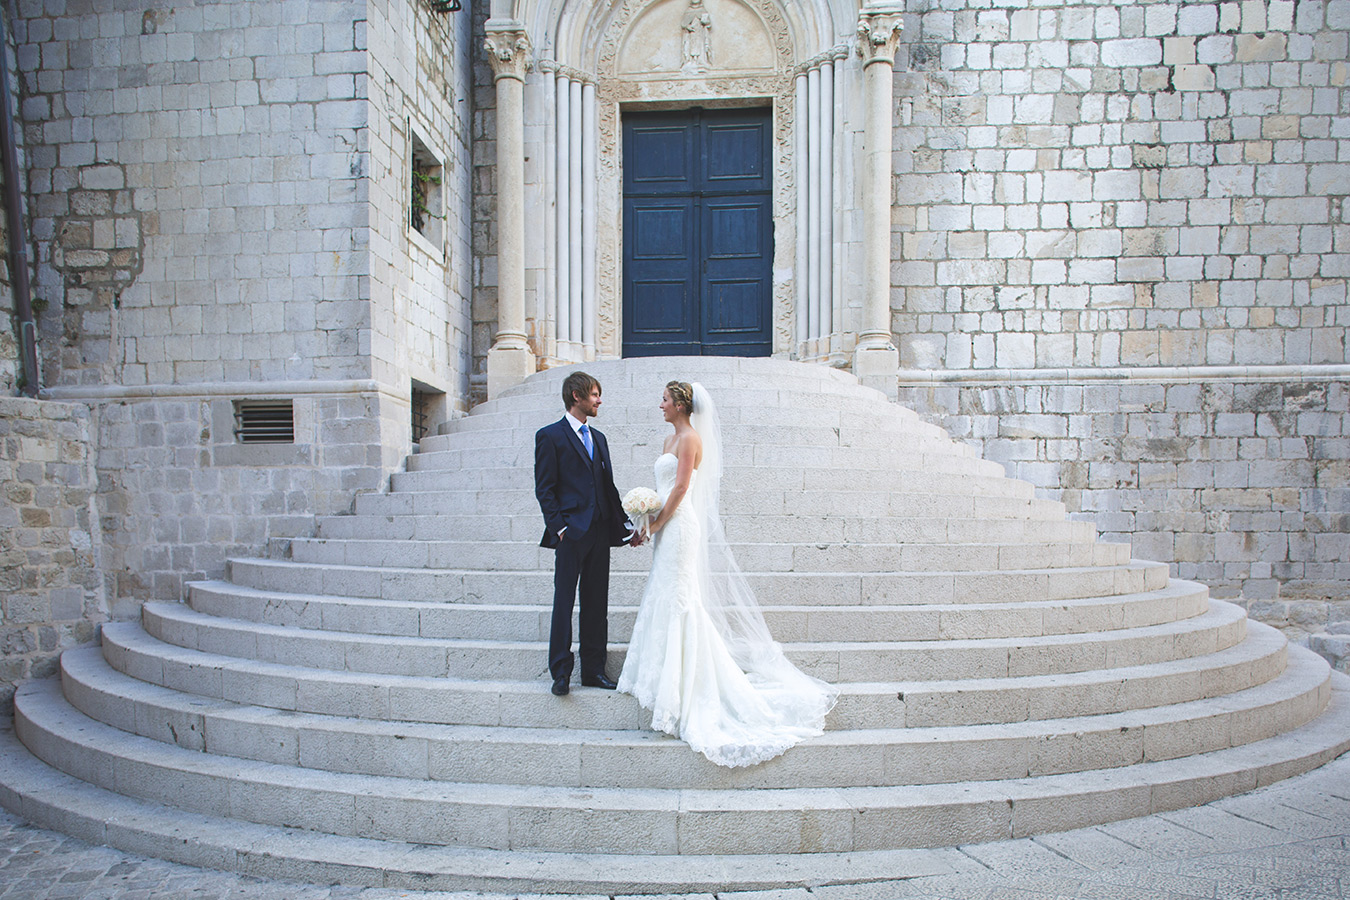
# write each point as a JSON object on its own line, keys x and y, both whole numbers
{"x": 701, "y": 657}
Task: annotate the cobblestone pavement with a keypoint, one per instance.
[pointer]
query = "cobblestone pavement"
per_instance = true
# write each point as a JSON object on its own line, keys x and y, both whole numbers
{"x": 1289, "y": 841}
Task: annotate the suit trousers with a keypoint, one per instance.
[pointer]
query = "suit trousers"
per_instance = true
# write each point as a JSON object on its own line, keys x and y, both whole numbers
{"x": 583, "y": 564}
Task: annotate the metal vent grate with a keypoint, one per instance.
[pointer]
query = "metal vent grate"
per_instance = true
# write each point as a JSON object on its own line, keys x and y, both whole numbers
{"x": 421, "y": 403}
{"x": 264, "y": 422}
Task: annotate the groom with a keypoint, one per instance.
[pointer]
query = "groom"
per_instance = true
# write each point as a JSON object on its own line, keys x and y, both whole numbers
{"x": 583, "y": 518}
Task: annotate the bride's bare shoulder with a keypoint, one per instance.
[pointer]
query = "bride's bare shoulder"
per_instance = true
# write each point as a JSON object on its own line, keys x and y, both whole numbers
{"x": 694, "y": 441}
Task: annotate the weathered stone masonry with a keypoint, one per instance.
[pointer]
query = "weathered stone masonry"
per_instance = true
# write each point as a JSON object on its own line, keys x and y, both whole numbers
{"x": 218, "y": 202}
{"x": 51, "y": 593}
{"x": 1121, "y": 247}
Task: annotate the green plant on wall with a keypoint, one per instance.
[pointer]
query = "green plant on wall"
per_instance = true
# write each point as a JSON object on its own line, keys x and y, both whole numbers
{"x": 420, "y": 213}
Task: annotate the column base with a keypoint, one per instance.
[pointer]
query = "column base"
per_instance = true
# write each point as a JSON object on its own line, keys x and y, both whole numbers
{"x": 878, "y": 367}
{"x": 507, "y": 367}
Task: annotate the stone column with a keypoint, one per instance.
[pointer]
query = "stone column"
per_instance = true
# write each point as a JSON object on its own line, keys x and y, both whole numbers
{"x": 813, "y": 204}
{"x": 800, "y": 156}
{"x": 510, "y": 361}
{"x": 588, "y": 222}
{"x": 562, "y": 210}
{"x": 876, "y": 362}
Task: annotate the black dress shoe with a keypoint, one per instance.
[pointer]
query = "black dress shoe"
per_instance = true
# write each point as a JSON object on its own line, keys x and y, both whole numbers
{"x": 560, "y": 686}
{"x": 601, "y": 681}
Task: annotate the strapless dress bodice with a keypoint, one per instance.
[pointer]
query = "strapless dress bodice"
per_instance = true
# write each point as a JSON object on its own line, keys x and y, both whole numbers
{"x": 666, "y": 468}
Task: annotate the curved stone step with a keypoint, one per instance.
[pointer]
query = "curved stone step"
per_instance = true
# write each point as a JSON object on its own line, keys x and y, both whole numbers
{"x": 480, "y": 496}
{"x": 527, "y": 703}
{"x": 818, "y": 556}
{"x": 739, "y": 438}
{"x": 627, "y": 820}
{"x": 644, "y": 759}
{"x": 1223, "y": 625}
{"x": 49, "y": 798}
{"x": 857, "y": 427}
{"x": 737, "y": 403}
{"x": 881, "y": 454}
{"x": 771, "y": 589}
{"x": 518, "y": 622}
{"x": 515, "y": 472}
{"x": 790, "y": 529}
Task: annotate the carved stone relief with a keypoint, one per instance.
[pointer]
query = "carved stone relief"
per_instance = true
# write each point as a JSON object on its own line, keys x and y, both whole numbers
{"x": 758, "y": 42}
{"x": 690, "y": 38}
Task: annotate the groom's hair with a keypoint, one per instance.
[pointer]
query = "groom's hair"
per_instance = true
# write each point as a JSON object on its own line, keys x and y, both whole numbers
{"x": 577, "y": 385}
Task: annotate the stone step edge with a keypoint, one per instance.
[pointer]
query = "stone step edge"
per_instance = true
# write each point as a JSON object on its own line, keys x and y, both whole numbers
{"x": 932, "y": 522}
{"x": 1220, "y": 614}
{"x": 1133, "y": 564}
{"x": 844, "y": 589}
{"x": 86, "y": 671}
{"x": 49, "y": 798}
{"x": 518, "y": 478}
{"x": 817, "y": 544}
{"x": 1013, "y": 808}
{"x": 130, "y": 638}
{"x": 1176, "y": 588}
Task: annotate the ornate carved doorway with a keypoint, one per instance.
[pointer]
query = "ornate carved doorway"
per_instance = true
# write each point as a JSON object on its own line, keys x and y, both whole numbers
{"x": 698, "y": 233}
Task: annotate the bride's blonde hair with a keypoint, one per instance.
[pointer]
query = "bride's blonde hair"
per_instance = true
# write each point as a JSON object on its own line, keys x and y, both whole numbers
{"x": 681, "y": 394}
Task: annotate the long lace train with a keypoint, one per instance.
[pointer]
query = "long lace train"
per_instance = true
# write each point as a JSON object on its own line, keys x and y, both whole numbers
{"x": 736, "y": 712}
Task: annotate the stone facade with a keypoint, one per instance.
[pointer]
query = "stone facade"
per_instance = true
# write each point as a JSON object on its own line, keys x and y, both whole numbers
{"x": 220, "y": 197}
{"x": 51, "y": 595}
{"x": 1156, "y": 184}
{"x": 1242, "y": 485}
{"x": 11, "y": 369}
{"x": 1118, "y": 255}
{"x": 1107, "y": 220}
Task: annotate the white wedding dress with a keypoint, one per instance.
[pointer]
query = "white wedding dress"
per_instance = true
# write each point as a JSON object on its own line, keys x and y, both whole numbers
{"x": 701, "y": 658}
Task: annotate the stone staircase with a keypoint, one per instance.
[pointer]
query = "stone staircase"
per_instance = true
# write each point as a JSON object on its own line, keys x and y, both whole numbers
{"x": 375, "y": 708}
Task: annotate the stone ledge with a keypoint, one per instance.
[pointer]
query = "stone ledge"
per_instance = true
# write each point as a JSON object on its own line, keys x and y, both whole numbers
{"x": 1149, "y": 374}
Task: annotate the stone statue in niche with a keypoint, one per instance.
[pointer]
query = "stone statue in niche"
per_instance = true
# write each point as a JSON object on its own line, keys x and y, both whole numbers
{"x": 676, "y": 39}
{"x": 696, "y": 34}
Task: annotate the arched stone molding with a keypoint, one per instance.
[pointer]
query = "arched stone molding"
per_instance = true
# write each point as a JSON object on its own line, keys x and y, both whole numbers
{"x": 586, "y": 74}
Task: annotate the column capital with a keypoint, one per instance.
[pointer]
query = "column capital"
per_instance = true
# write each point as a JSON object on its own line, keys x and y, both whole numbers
{"x": 508, "y": 49}
{"x": 879, "y": 35}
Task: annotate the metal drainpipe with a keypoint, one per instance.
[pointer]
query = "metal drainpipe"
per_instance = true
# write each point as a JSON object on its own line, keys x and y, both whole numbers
{"x": 18, "y": 234}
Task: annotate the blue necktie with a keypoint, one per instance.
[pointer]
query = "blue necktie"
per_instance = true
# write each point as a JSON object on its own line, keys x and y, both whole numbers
{"x": 586, "y": 439}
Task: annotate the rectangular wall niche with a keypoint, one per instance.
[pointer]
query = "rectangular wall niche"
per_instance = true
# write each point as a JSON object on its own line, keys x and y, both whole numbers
{"x": 264, "y": 421}
{"x": 426, "y": 206}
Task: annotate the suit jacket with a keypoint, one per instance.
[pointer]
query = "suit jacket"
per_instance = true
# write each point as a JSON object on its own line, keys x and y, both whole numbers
{"x": 565, "y": 483}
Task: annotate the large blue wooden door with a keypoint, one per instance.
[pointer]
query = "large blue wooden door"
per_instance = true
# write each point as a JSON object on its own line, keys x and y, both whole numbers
{"x": 698, "y": 233}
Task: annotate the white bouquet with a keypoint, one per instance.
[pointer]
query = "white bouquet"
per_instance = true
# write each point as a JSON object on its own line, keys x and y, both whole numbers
{"x": 641, "y": 504}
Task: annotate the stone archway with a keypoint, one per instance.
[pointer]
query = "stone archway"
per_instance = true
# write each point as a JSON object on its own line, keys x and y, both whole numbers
{"x": 560, "y": 104}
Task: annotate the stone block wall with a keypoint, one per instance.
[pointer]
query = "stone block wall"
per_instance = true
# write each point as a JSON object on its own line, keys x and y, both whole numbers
{"x": 420, "y": 285}
{"x": 11, "y": 370}
{"x": 178, "y": 496}
{"x": 1120, "y": 256}
{"x": 484, "y": 209}
{"x": 219, "y": 214}
{"x": 51, "y": 596}
{"x": 1241, "y": 484}
{"x": 196, "y": 177}
{"x": 1143, "y": 184}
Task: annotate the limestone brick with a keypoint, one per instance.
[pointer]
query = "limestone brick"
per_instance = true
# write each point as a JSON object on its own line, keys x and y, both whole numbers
{"x": 49, "y": 537}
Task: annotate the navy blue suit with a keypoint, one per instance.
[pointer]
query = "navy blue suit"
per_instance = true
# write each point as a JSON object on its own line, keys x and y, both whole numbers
{"x": 576, "y": 491}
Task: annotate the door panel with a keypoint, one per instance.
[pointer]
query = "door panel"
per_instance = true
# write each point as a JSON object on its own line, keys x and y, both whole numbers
{"x": 659, "y": 276}
{"x": 698, "y": 239}
{"x": 737, "y": 291}
{"x": 735, "y": 151}
{"x": 659, "y": 156}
